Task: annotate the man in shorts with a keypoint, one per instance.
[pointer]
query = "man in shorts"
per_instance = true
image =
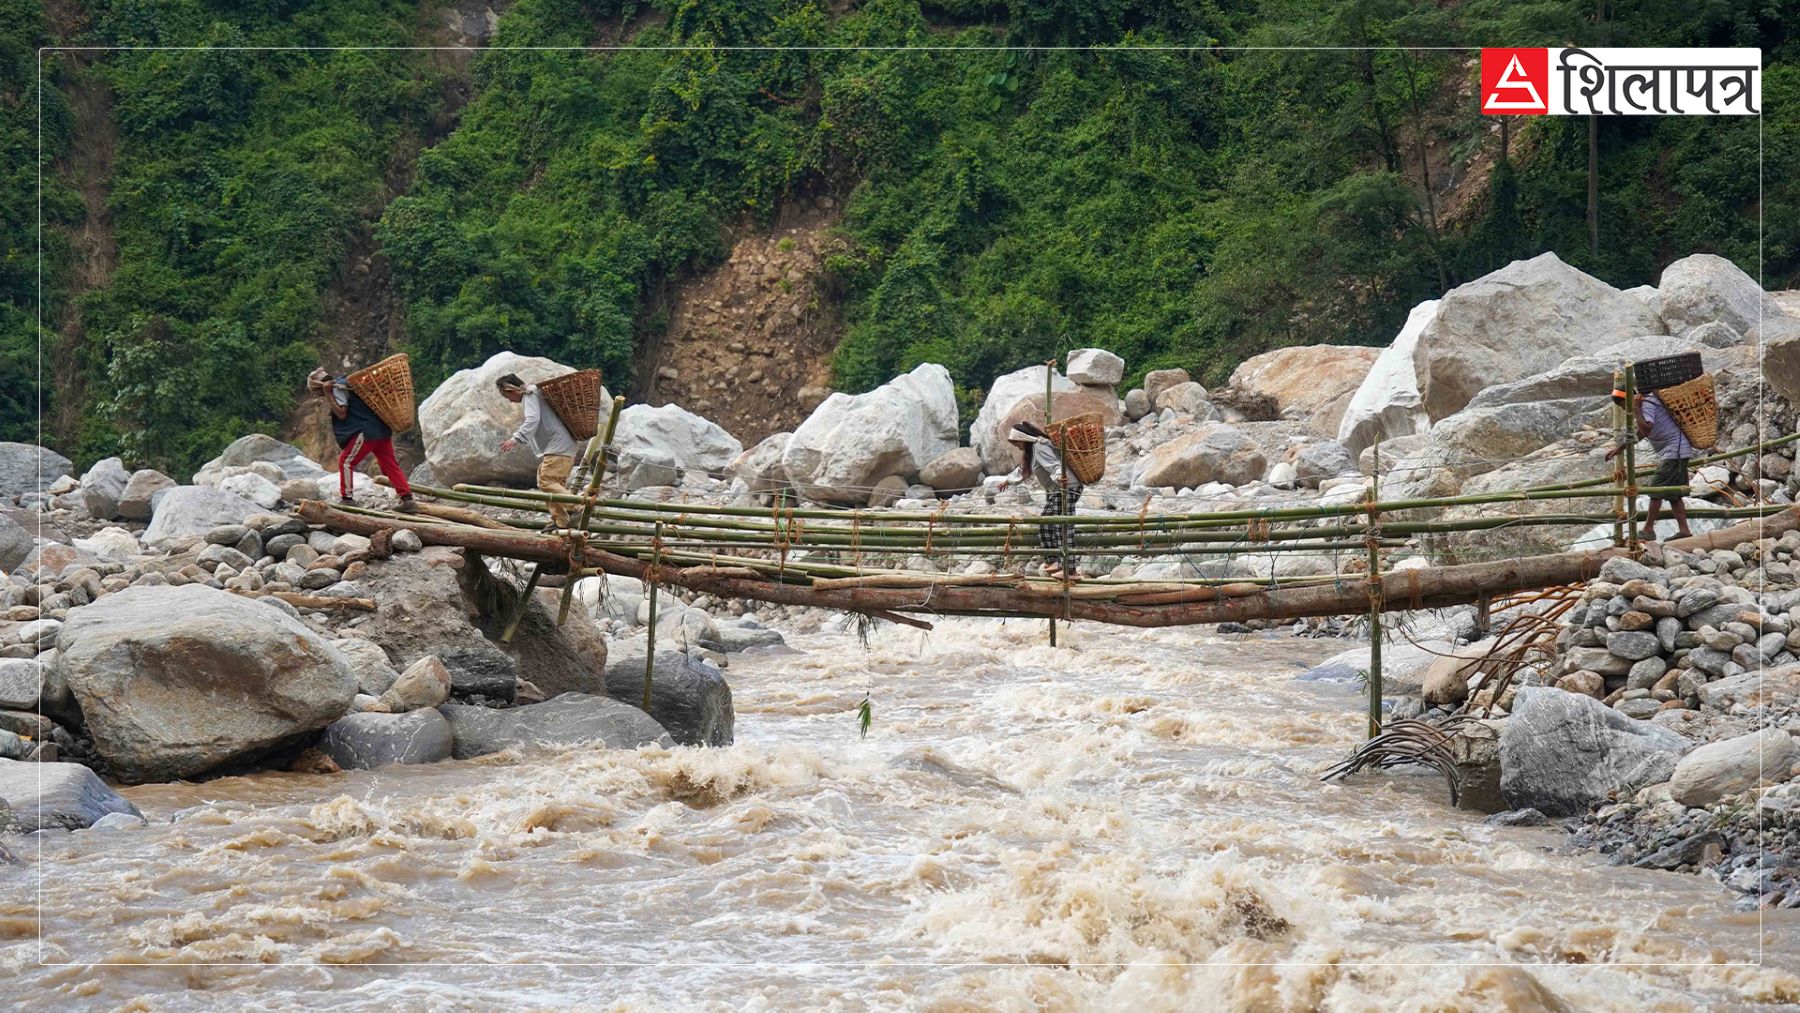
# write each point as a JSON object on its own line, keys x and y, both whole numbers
{"x": 1657, "y": 423}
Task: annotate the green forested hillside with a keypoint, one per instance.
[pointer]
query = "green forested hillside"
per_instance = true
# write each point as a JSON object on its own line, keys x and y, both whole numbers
{"x": 1181, "y": 206}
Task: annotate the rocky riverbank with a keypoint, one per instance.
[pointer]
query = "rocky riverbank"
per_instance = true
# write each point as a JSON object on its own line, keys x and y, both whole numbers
{"x": 154, "y": 630}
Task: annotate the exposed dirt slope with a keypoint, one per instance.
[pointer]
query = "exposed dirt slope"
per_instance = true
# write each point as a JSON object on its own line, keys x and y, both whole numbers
{"x": 749, "y": 342}
{"x": 94, "y": 251}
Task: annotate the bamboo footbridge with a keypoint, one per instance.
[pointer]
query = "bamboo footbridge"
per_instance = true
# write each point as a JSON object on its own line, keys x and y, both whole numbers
{"x": 835, "y": 558}
{"x": 847, "y": 559}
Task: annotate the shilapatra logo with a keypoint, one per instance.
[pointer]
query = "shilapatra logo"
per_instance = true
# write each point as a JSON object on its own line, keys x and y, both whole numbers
{"x": 1621, "y": 82}
{"x": 1515, "y": 82}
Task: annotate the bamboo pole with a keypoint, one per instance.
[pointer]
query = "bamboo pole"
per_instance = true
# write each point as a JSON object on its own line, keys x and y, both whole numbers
{"x": 519, "y": 607}
{"x": 1631, "y": 489}
{"x": 595, "y": 477}
{"x": 1621, "y": 418}
{"x": 650, "y": 630}
{"x": 1049, "y": 411}
{"x": 1375, "y": 603}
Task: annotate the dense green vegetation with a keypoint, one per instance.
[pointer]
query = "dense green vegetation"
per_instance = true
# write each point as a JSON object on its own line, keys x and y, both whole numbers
{"x": 1179, "y": 206}
{"x": 21, "y": 33}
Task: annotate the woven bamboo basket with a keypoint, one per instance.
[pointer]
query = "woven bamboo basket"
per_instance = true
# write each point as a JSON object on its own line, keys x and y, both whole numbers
{"x": 575, "y": 399}
{"x": 1082, "y": 439}
{"x": 1696, "y": 410}
{"x": 387, "y": 388}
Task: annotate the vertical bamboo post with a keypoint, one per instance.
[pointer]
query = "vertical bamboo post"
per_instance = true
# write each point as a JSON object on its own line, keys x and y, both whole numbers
{"x": 1049, "y": 417}
{"x": 650, "y": 636}
{"x": 597, "y": 455}
{"x": 512, "y": 623}
{"x": 1373, "y": 541}
{"x": 1630, "y": 455}
{"x": 1626, "y": 425}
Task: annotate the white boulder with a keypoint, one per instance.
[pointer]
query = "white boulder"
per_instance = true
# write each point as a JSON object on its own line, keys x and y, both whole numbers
{"x": 1522, "y": 319}
{"x": 464, "y": 421}
{"x": 1004, "y": 394}
{"x": 671, "y": 435}
{"x": 852, "y": 441}
{"x": 113, "y": 544}
{"x": 1095, "y": 367}
{"x": 1704, "y": 288}
{"x": 760, "y": 467}
{"x": 256, "y": 488}
{"x": 1388, "y": 404}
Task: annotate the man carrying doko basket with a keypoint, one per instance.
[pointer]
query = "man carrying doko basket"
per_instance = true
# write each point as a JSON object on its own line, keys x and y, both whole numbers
{"x": 543, "y": 431}
{"x": 359, "y": 432}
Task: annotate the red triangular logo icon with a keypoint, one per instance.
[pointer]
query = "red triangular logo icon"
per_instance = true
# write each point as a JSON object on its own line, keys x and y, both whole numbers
{"x": 1522, "y": 95}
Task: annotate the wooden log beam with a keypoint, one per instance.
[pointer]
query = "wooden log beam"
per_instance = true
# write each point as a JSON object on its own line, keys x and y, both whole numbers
{"x": 1772, "y": 526}
{"x": 311, "y": 601}
{"x": 1398, "y": 591}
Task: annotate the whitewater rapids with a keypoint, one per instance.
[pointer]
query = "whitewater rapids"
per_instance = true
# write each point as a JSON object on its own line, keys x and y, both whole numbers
{"x": 1130, "y": 821}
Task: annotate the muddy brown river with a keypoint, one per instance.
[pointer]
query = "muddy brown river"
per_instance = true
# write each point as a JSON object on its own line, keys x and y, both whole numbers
{"x": 1130, "y": 821}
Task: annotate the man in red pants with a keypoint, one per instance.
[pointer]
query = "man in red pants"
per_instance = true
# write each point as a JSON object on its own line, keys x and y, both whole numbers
{"x": 360, "y": 432}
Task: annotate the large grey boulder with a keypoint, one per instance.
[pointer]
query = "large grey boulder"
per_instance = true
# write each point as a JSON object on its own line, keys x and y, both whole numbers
{"x": 674, "y": 436}
{"x": 1322, "y": 459}
{"x": 572, "y": 719}
{"x": 1312, "y": 384}
{"x": 431, "y": 603}
{"x": 1564, "y": 752}
{"x": 138, "y": 499}
{"x": 67, "y": 796}
{"x": 16, "y": 542}
{"x": 1779, "y": 339}
{"x": 850, "y": 442}
{"x": 189, "y": 511}
{"x": 26, "y": 467}
{"x": 176, "y": 681}
{"x": 374, "y": 671}
{"x": 1213, "y": 452}
{"x": 370, "y": 740}
{"x": 287, "y": 461}
{"x": 1522, "y": 319}
{"x": 21, "y": 683}
{"x": 760, "y": 467}
{"x": 953, "y": 471}
{"x": 102, "y": 486}
{"x": 1590, "y": 376}
{"x": 688, "y": 697}
{"x": 464, "y": 421}
{"x": 1704, "y": 288}
{"x": 1734, "y": 765}
{"x": 1387, "y": 404}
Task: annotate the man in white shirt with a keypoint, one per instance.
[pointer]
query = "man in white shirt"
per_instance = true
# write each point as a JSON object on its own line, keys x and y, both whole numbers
{"x": 547, "y": 437}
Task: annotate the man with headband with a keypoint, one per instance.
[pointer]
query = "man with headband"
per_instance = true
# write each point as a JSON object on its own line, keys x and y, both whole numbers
{"x": 547, "y": 437}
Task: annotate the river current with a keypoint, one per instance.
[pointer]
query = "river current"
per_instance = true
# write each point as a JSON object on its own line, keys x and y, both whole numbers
{"x": 1132, "y": 820}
